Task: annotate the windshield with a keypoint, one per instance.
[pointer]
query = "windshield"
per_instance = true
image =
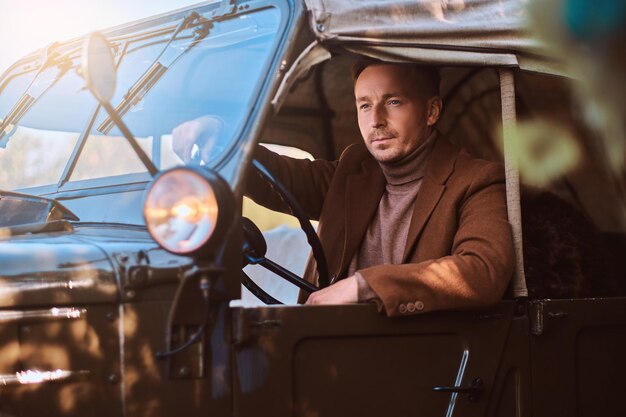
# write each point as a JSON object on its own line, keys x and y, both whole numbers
{"x": 191, "y": 113}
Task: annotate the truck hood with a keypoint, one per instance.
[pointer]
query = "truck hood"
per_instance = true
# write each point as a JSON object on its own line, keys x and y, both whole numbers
{"x": 85, "y": 265}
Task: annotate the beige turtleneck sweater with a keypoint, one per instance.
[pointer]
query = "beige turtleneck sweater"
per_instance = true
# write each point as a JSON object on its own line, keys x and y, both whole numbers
{"x": 385, "y": 239}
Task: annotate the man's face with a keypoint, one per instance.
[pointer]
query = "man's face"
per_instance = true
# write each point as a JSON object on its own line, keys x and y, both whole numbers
{"x": 393, "y": 118}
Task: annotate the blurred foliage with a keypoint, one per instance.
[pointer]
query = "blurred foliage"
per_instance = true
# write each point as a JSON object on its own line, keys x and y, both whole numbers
{"x": 589, "y": 36}
{"x": 264, "y": 218}
{"x": 546, "y": 151}
{"x": 105, "y": 156}
{"x": 34, "y": 157}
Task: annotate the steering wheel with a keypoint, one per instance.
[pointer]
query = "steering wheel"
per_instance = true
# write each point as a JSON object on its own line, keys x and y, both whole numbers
{"x": 255, "y": 247}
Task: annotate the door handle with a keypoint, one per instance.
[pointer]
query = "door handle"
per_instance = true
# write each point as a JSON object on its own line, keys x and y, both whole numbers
{"x": 474, "y": 391}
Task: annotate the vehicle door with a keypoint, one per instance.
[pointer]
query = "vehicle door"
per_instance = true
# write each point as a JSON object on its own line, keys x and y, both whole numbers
{"x": 351, "y": 360}
{"x": 577, "y": 350}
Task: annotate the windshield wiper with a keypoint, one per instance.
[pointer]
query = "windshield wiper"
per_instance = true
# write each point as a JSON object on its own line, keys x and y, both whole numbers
{"x": 159, "y": 66}
{"x": 33, "y": 92}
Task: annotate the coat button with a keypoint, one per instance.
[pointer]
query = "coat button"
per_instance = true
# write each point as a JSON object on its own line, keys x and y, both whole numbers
{"x": 410, "y": 307}
{"x": 402, "y": 308}
{"x": 419, "y": 306}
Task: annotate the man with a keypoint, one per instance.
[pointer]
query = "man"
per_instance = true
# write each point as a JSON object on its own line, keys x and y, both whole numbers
{"x": 407, "y": 219}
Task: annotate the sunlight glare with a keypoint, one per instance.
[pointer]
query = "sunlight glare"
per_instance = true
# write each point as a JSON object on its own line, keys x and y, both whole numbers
{"x": 33, "y": 24}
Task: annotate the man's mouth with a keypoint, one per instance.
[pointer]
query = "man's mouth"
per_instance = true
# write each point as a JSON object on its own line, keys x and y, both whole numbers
{"x": 381, "y": 139}
{"x": 381, "y": 136}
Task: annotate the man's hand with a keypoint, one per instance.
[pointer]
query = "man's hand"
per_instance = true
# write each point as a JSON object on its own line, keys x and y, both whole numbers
{"x": 343, "y": 292}
{"x": 202, "y": 132}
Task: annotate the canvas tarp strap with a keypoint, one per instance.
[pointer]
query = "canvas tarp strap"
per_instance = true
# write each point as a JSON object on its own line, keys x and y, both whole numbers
{"x": 507, "y": 92}
{"x": 433, "y": 56}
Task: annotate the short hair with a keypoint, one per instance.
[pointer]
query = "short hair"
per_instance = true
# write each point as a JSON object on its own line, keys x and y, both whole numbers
{"x": 427, "y": 74}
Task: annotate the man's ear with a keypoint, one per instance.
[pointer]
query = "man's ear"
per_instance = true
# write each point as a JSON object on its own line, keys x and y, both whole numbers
{"x": 433, "y": 106}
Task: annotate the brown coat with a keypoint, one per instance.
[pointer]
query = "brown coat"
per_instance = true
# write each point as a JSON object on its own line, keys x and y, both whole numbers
{"x": 459, "y": 251}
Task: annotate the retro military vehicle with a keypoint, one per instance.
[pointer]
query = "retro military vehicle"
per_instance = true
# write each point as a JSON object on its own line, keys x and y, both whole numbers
{"x": 120, "y": 264}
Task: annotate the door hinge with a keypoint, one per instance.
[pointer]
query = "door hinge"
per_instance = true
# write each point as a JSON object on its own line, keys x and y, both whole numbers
{"x": 536, "y": 317}
{"x": 247, "y": 329}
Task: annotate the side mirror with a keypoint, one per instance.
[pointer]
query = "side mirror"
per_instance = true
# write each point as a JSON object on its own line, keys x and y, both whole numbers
{"x": 98, "y": 67}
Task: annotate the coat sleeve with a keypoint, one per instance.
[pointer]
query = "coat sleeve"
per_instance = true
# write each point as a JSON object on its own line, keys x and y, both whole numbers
{"x": 306, "y": 180}
{"x": 477, "y": 271}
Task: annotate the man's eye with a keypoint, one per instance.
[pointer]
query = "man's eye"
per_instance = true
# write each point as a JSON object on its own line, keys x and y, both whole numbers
{"x": 364, "y": 106}
{"x": 394, "y": 102}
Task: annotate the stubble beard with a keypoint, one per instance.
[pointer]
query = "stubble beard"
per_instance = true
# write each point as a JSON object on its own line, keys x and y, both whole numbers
{"x": 386, "y": 152}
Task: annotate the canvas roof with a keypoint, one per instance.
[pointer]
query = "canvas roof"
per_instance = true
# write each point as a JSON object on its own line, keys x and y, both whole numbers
{"x": 444, "y": 32}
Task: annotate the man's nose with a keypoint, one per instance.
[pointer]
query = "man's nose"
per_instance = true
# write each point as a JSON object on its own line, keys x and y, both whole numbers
{"x": 379, "y": 117}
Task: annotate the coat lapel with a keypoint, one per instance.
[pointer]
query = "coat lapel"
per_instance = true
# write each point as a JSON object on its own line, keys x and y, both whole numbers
{"x": 363, "y": 193}
{"x": 440, "y": 167}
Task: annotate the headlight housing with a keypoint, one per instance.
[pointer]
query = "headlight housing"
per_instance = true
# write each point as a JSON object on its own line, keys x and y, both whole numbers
{"x": 186, "y": 209}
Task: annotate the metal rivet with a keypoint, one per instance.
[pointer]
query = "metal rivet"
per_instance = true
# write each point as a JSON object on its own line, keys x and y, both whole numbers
{"x": 283, "y": 65}
{"x": 110, "y": 316}
{"x": 113, "y": 378}
{"x": 184, "y": 371}
{"x": 130, "y": 294}
{"x": 320, "y": 27}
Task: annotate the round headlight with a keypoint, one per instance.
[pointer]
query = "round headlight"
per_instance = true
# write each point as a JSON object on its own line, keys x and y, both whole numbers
{"x": 184, "y": 207}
